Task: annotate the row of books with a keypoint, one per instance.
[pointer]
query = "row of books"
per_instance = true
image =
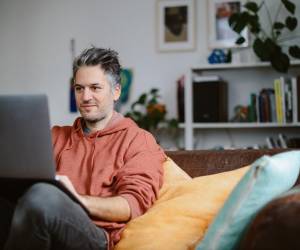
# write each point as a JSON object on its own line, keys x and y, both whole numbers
{"x": 280, "y": 104}
{"x": 282, "y": 141}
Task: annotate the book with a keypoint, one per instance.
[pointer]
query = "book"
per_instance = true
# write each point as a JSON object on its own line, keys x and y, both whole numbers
{"x": 271, "y": 143}
{"x": 282, "y": 139}
{"x": 253, "y": 108}
{"x": 261, "y": 113}
{"x": 295, "y": 99}
{"x": 288, "y": 99}
{"x": 180, "y": 99}
{"x": 298, "y": 97}
{"x": 266, "y": 100}
{"x": 282, "y": 96}
{"x": 278, "y": 100}
{"x": 272, "y": 105}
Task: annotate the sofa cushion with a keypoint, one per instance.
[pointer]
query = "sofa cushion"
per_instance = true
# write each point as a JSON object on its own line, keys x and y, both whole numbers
{"x": 267, "y": 178}
{"x": 277, "y": 225}
{"x": 182, "y": 213}
{"x": 173, "y": 173}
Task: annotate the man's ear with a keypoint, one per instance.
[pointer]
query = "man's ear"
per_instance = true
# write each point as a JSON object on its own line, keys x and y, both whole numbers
{"x": 117, "y": 91}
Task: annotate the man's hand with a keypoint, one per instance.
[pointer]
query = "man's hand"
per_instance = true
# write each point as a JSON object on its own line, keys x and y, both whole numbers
{"x": 68, "y": 184}
{"x": 109, "y": 208}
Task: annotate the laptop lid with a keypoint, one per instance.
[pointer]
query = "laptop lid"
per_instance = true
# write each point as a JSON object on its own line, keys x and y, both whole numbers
{"x": 25, "y": 137}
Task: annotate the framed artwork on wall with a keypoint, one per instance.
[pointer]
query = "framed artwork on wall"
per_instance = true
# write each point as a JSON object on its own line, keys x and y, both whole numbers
{"x": 175, "y": 25}
{"x": 220, "y": 35}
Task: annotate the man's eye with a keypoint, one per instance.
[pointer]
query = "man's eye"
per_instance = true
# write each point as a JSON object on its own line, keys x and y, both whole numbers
{"x": 78, "y": 88}
{"x": 95, "y": 88}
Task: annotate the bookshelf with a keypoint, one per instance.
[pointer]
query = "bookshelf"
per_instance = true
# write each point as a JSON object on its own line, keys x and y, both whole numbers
{"x": 243, "y": 79}
{"x": 222, "y": 125}
{"x": 245, "y": 65}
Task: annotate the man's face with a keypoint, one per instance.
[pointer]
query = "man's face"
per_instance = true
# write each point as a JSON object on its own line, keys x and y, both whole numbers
{"x": 93, "y": 94}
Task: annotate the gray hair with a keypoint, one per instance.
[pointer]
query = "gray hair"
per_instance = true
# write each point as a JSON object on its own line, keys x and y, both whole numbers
{"x": 107, "y": 59}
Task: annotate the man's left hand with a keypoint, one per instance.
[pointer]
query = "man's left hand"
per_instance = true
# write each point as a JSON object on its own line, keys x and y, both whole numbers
{"x": 69, "y": 185}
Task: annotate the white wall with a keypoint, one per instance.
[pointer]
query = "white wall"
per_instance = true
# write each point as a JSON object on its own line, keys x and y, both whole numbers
{"x": 35, "y": 46}
{"x": 35, "y": 54}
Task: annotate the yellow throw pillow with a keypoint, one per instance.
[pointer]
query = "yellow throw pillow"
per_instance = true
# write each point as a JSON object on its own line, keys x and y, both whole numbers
{"x": 173, "y": 173}
{"x": 182, "y": 213}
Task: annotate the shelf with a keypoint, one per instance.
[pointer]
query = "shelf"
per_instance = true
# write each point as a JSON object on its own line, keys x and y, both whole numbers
{"x": 240, "y": 125}
{"x": 237, "y": 65}
{"x": 250, "y": 77}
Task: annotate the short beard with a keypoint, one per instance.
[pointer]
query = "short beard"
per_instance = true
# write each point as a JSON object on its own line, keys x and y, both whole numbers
{"x": 93, "y": 120}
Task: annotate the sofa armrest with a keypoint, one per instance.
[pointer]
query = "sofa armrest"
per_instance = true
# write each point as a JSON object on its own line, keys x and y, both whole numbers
{"x": 277, "y": 224}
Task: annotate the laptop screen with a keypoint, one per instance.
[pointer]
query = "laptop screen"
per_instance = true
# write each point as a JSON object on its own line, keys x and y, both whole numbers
{"x": 25, "y": 137}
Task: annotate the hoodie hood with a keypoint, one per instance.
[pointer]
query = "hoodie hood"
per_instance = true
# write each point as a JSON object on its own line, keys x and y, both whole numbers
{"x": 116, "y": 123}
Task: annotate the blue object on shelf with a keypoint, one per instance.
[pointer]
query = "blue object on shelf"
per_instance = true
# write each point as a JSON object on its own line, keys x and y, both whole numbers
{"x": 218, "y": 56}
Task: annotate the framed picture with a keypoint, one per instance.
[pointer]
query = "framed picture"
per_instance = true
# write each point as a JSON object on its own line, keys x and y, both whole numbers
{"x": 176, "y": 25}
{"x": 220, "y": 34}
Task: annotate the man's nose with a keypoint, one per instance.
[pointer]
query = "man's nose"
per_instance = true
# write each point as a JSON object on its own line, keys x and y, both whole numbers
{"x": 87, "y": 95}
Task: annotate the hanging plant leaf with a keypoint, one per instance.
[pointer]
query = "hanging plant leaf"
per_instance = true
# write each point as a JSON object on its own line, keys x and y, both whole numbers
{"x": 264, "y": 49}
{"x": 272, "y": 46}
{"x": 278, "y": 26}
{"x": 295, "y": 51}
{"x": 252, "y": 6}
{"x": 237, "y": 23}
{"x": 267, "y": 45}
{"x": 253, "y": 21}
{"x": 246, "y": 18}
{"x": 240, "y": 40}
{"x": 258, "y": 48}
{"x": 233, "y": 19}
{"x": 289, "y": 6}
{"x": 291, "y": 23}
{"x": 280, "y": 62}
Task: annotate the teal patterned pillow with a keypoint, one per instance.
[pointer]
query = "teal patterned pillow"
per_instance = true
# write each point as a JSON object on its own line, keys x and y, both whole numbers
{"x": 267, "y": 178}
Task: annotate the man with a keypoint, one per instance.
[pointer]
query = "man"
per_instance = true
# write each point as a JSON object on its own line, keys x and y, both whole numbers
{"x": 113, "y": 167}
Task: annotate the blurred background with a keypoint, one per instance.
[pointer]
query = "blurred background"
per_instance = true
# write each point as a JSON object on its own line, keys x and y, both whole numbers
{"x": 39, "y": 38}
{"x": 35, "y": 47}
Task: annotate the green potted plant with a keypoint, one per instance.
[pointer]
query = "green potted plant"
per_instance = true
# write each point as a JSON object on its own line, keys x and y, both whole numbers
{"x": 150, "y": 114}
{"x": 269, "y": 45}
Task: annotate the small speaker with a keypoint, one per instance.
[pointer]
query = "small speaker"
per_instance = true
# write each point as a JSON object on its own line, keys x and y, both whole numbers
{"x": 210, "y": 101}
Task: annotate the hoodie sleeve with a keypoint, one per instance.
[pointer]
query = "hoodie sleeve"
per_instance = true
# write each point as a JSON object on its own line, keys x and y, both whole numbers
{"x": 141, "y": 177}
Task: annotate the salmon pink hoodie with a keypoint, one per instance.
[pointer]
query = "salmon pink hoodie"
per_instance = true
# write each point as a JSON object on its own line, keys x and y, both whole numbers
{"x": 119, "y": 160}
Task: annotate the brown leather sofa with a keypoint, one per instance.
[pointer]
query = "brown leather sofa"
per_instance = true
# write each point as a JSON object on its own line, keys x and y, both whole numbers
{"x": 205, "y": 162}
{"x": 277, "y": 226}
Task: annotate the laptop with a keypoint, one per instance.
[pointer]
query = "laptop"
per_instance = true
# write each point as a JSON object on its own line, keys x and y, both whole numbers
{"x": 26, "y": 155}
